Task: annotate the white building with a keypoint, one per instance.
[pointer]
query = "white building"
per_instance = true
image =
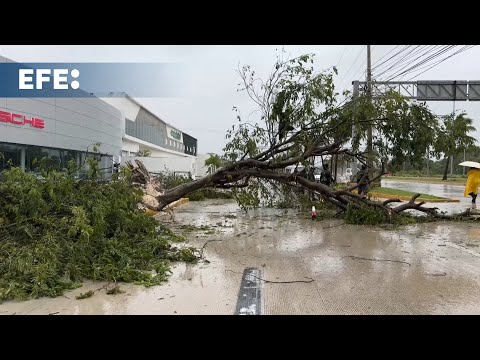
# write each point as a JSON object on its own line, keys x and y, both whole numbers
{"x": 170, "y": 149}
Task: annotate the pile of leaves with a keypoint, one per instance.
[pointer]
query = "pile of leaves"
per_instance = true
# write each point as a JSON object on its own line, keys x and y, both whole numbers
{"x": 56, "y": 231}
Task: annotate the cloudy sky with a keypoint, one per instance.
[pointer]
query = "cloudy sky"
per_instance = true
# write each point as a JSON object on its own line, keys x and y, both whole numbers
{"x": 205, "y": 111}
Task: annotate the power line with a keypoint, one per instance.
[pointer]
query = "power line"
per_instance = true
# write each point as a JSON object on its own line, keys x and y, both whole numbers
{"x": 416, "y": 51}
{"x": 423, "y": 54}
{"x": 344, "y": 51}
{"x": 426, "y": 54}
{"x": 427, "y": 59}
{"x": 360, "y": 68}
{"x": 428, "y": 64}
{"x": 360, "y": 53}
{"x": 398, "y": 61}
{"x": 391, "y": 57}
{"x": 465, "y": 48}
{"x": 424, "y": 61}
{"x": 354, "y": 77}
{"x": 385, "y": 55}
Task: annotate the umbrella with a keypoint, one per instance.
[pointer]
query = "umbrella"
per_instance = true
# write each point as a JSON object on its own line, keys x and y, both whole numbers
{"x": 472, "y": 164}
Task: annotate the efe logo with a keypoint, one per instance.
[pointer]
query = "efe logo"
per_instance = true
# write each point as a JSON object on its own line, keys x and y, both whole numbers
{"x": 29, "y": 79}
{"x": 21, "y": 120}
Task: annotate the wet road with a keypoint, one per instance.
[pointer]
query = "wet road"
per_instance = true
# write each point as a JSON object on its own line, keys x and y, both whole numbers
{"x": 422, "y": 269}
{"x": 441, "y": 190}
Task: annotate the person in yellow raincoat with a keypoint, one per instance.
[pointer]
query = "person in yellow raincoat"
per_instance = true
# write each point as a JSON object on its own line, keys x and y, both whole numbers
{"x": 473, "y": 181}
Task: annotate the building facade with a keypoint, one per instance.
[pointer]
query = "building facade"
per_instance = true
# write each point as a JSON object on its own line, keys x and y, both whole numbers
{"x": 169, "y": 148}
{"x": 61, "y": 129}
{"x": 113, "y": 129}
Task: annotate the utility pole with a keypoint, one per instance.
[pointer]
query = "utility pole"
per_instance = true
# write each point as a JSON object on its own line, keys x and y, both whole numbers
{"x": 355, "y": 93}
{"x": 453, "y": 114}
{"x": 369, "y": 133}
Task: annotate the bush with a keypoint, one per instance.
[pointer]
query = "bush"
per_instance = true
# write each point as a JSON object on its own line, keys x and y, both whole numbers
{"x": 56, "y": 231}
{"x": 364, "y": 215}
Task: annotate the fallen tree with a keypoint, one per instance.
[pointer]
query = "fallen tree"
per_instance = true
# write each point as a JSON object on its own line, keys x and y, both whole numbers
{"x": 299, "y": 119}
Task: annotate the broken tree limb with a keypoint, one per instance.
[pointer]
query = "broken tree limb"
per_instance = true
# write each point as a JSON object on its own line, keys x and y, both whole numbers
{"x": 386, "y": 202}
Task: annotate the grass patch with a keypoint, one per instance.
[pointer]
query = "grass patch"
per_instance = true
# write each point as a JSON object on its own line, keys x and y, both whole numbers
{"x": 397, "y": 192}
{"x": 433, "y": 180}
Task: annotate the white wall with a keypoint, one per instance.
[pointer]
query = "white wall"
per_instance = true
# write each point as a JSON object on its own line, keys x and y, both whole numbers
{"x": 130, "y": 146}
{"x": 126, "y": 106}
{"x": 163, "y": 154}
{"x": 165, "y": 164}
{"x": 201, "y": 168}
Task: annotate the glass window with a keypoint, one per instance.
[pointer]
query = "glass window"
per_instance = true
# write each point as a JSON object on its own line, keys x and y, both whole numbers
{"x": 11, "y": 155}
{"x": 37, "y": 156}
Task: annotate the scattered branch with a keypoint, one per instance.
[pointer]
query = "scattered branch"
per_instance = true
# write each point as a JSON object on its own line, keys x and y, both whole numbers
{"x": 362, "y": 258}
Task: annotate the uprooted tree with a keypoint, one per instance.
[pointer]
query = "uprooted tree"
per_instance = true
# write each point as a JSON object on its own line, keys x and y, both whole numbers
{"x": 299, "y": 118}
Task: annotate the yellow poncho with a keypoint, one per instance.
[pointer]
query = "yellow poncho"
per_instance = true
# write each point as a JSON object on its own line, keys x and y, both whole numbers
{"x": 473, "y": 181}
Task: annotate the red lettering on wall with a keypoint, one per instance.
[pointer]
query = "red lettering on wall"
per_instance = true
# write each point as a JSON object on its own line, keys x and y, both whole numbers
{"x": 39, "y": 123}
{"x": 18, "y": 119}
{"x": 4, "y": 116}
{"x": 17, "y": 116}
{"x": 31, "y": 121}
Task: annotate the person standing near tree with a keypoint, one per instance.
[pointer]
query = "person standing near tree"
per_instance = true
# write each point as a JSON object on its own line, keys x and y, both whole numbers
{"x": 471, "y": 188}
{"x": 363, "y": 180}
{"x": 326, "y": 176}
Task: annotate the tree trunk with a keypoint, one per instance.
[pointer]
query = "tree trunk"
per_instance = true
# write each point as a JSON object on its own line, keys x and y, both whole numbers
{"x": 180, "y": 191}
{"x": 428, "y": 162}
{"x": 336, "y": 167}
{"x": 445, "y": 173}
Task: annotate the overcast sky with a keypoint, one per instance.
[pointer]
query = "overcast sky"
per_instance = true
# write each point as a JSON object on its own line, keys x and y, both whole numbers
{"x": 205, "y": 112}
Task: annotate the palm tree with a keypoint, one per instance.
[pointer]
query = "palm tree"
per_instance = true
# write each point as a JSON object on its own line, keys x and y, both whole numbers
{"x": 455, "y": 137}
{"x": 213, "y": 162}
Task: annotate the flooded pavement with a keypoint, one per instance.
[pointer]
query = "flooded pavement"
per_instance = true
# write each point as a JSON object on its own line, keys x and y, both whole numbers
{"x": 421, "y": 269}
{"x": 442, "y": 190}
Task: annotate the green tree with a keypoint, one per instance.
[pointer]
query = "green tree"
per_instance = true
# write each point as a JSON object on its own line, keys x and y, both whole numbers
{"x": 402, "y": 130}
{"x": 454, "y": 137}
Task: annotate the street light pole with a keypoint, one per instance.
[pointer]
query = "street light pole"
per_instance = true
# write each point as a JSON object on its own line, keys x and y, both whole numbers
{"x": 369, "y": 133}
